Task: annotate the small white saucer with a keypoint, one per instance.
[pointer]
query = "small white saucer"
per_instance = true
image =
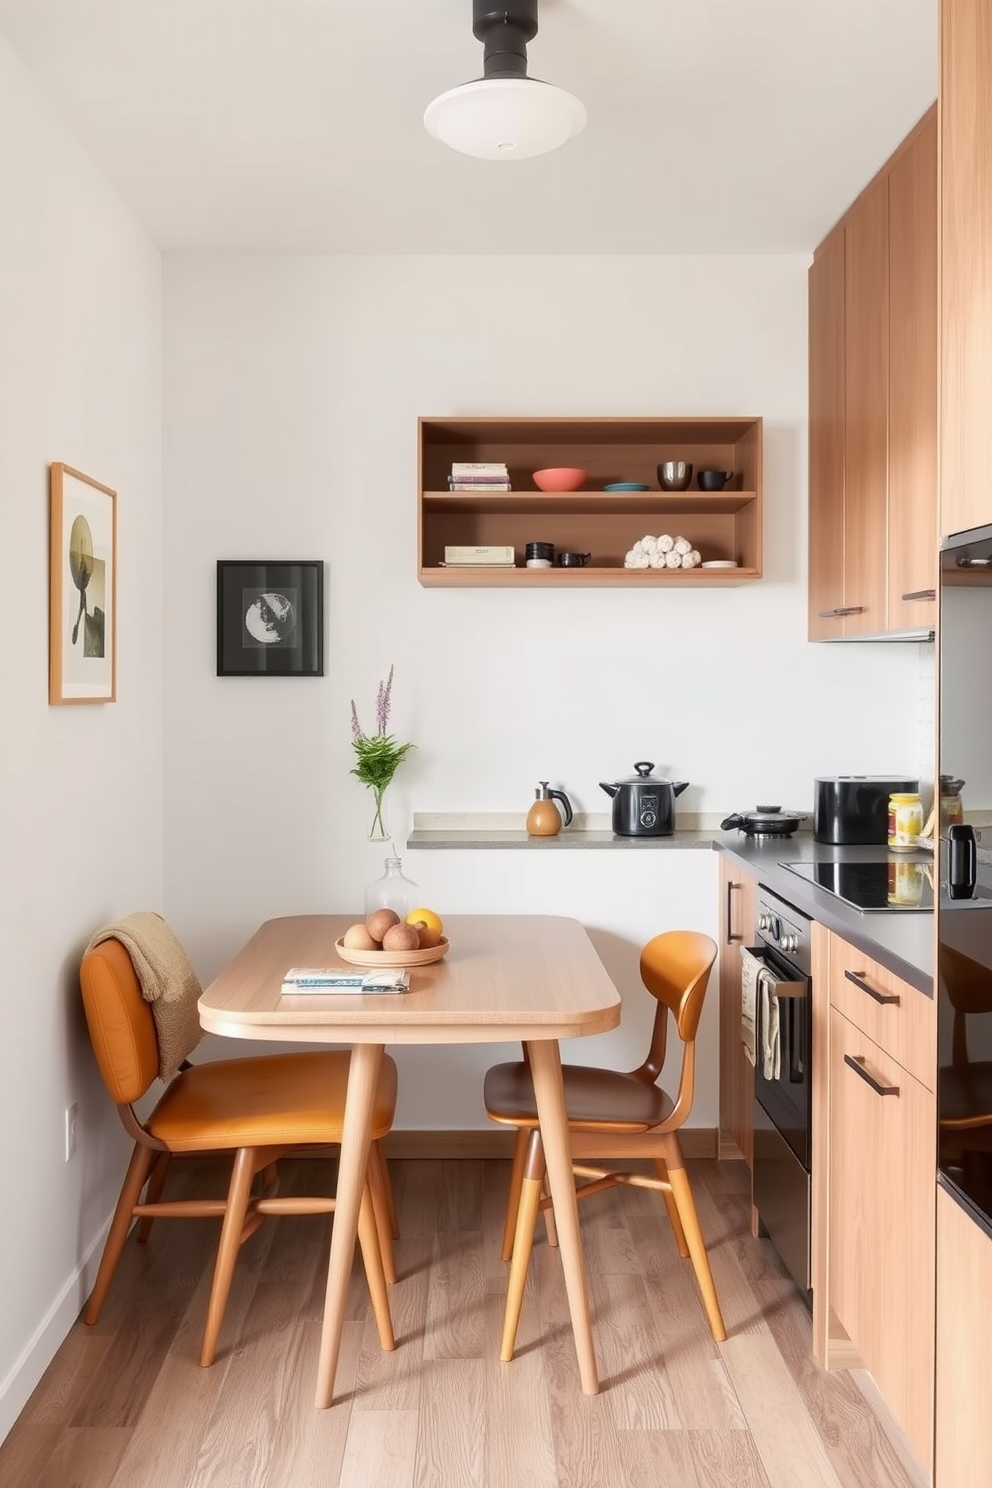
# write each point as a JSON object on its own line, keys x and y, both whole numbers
{"x": 720, "y": 563}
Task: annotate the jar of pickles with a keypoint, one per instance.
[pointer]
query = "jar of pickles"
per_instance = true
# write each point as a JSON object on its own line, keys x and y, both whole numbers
{"x": 905, "y": 821}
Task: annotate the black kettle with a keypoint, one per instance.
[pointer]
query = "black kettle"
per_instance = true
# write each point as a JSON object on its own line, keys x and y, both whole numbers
{"x": 643, "y": 806}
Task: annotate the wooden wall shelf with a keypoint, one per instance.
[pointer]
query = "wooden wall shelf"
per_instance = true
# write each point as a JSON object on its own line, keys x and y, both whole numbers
{"x": 722, "y": 524}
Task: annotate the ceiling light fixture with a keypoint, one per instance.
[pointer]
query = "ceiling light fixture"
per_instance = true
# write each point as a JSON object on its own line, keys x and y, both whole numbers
{"x": 505, "y": 115}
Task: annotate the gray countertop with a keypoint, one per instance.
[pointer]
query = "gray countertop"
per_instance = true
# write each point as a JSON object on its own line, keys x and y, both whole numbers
{"x": 901, "y": 940}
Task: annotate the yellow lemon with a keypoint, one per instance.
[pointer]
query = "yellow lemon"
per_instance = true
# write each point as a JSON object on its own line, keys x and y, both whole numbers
{"x": 426, "y": 917}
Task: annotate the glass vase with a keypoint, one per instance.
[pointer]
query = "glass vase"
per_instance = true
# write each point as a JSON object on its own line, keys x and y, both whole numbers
{"x": 379, "y": 830}
{"x": 392, "y": 891}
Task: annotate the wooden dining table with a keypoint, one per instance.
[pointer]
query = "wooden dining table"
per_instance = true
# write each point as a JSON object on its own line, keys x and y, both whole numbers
{"x": 533, "y": 978}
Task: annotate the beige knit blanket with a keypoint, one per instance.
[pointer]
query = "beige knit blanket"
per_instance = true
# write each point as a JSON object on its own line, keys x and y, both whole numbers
{"x": 167, "y": 979}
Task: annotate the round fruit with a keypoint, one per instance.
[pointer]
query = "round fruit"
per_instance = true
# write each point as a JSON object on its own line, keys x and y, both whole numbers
{"x": 400, "y": 938}
{"x": 357, "y": 938}
{"x": 379, "y": 921}
{"x": 428, "y": 938}
{"x": 426, "y": 917}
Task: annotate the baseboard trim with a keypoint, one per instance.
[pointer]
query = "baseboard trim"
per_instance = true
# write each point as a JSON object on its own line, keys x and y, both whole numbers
{"x": 48, "y": 1337}
{"x": 697, "y": 1141}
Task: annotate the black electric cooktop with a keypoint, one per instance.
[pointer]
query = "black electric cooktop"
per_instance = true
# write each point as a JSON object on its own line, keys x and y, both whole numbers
{"x": 888, "y": 883}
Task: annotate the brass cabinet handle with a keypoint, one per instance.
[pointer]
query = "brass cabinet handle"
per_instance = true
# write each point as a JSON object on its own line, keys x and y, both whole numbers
{"x": 841, "y": 611}
{"x": 858, "y": 1065}
{"x": 852, "y": 976}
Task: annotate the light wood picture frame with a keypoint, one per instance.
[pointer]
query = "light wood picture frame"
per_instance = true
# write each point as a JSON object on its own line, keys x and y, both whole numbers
{"x": 82, "y": 638}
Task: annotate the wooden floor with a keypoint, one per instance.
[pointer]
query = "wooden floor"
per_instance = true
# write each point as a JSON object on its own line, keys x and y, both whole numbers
{"x": 125, "y": 1405}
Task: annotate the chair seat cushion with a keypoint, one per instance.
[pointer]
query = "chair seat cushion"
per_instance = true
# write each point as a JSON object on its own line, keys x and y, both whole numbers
{"x": 595, "y": 1099}
{"x": 275, "y": 1100}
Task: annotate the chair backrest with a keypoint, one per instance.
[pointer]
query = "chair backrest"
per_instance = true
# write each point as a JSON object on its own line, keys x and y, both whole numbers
{"x": 675, "y": 968}
{"x": 120, "y": 1022}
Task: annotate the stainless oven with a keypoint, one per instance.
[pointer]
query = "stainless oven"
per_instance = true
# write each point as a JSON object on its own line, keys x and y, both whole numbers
{"x": 782, "y": 1080}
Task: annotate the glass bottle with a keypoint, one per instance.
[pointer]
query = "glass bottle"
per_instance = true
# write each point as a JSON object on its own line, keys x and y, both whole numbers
{"x": 392, "y": 891}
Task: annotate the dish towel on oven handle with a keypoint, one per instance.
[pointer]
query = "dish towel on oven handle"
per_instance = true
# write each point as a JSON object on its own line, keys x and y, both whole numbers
{"x": 750, "y": 969}
{"x": 771, "y": 1046}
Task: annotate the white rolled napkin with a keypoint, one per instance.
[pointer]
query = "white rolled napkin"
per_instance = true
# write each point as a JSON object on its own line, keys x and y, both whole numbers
{"x": 638, "y": 560}
{"x": 665, "y": 543}
{"x": 658, "y": 560}
{"x": 681, "y": 546}
{"x": 673, "y": 560}
{"x": 688, "y": 561}
{"x": 696, "y": 557}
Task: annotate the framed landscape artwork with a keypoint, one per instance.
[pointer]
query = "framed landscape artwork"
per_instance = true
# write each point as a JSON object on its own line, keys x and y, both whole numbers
{"x": 270, "y": 618}
{"x": 82, "y": 634}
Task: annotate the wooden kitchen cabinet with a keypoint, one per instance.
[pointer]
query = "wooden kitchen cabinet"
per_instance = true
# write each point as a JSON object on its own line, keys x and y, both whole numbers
{"x": 911, "y": 521}
{"x": 738, "y": 917}
{"x": 873, "y": 405}
{"x": 966, "y": 264}
{"x": 723, "y": 525}
{"x": 881, "y": 1170}
{"x": 826, "y": 439}
{"x": 963, "y": 1428}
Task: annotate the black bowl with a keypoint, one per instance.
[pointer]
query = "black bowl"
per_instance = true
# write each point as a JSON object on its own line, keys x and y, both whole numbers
{"x": 713, "y": 480}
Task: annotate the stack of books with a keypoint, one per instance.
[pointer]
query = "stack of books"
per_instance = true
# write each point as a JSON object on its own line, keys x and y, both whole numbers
{"x": 479, "y": 475}
{"x": 482, "y": 555}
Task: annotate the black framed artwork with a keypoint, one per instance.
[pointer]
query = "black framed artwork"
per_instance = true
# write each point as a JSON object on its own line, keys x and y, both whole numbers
{"x": 270, "y": 618}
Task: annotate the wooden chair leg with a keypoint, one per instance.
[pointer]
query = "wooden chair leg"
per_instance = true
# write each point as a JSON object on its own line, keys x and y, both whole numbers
{"x": 231, "y": 1232}
{"x": 513, "y": 1199}
{"x": 672, "y": 1207}
{"x": 156, "y": 1183}
{"x": 523, "y": 1241}
{"x": 380, "y": 1206}
{"x": 368, "y": 1239}
{"x": 379, "y": 1157}
{"x": 682, "y": 1193}
{"x": 550, "y": 1228}
{"x": 142, "y": 1159}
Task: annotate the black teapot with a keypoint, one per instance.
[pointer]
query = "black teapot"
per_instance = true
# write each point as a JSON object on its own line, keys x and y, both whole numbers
{"x": 642, "y": 805}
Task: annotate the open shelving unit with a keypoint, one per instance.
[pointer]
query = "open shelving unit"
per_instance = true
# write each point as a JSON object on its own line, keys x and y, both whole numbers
{"x": 721, "y": 524}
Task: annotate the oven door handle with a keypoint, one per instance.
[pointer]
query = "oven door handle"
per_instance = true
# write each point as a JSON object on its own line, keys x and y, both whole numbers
{"x": 781, "y": 987}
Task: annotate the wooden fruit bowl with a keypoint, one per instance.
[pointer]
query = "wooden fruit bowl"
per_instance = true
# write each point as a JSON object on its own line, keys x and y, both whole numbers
{"x": 392, "y": 958}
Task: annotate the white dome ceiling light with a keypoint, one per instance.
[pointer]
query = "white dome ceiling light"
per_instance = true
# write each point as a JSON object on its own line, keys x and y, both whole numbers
{"x": 505, "y": 115}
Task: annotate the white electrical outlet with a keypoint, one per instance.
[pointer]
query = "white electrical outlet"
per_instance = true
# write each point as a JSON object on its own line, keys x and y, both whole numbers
{"x": 71, "y": 1118}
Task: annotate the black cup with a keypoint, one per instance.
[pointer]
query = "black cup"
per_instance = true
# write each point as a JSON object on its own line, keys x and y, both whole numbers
{"x": 540, "y": 550}
{"x": 573, "y": 560}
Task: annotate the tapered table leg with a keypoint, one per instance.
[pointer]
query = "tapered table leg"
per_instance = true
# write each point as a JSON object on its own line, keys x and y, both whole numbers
{"x": 545, "y": 1062}
{"x": 363, "y": 1077}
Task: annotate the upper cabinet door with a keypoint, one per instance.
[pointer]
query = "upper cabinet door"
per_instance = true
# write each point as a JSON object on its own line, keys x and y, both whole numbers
{"x": 912, "y": 517}
{"x": 866, "y": 409}
{"x": 965, "y": 264}
{"x": 826, "y": 440}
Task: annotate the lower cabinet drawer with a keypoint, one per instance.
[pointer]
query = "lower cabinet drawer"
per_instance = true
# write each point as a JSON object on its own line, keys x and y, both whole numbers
{"x": 894, "y": 1015}
{"x": 881, "y": 1222}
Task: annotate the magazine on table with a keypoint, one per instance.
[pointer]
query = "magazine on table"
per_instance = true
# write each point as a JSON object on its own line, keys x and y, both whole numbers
{"x": 324, "y": 979}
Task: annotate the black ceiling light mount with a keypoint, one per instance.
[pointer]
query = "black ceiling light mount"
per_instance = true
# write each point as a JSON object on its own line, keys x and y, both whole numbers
{"x": 505, "y": 115}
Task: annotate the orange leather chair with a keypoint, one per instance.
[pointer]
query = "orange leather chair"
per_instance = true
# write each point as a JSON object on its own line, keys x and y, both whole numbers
{"x": 618, "y": 1117}
{"x": 257, "y": 1109}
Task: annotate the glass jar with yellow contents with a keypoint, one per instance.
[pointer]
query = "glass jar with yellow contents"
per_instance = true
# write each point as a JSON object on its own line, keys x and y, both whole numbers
{"x": 905, "y": 821}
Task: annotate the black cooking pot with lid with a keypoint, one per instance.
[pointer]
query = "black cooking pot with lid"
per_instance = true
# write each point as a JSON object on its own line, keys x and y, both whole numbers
{"x": 765, "y": 821}
{"x": 642, "y": 805}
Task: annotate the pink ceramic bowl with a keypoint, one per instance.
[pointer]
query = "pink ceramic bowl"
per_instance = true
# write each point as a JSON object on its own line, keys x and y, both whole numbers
{"x": 559, "y": 478}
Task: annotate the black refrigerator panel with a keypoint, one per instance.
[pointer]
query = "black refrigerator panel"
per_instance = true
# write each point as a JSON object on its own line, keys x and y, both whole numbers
{"x": 964, "y": 903}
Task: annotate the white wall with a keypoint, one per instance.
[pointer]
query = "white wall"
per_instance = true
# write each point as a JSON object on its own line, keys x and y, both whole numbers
{"x": 80, "y": 381}
{"x": 292, "y": 390}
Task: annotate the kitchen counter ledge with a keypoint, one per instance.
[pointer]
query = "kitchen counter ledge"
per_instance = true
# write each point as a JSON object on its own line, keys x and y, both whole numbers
{"x": 902, "y": 941}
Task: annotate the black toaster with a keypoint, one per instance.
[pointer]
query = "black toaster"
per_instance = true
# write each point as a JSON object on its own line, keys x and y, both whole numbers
{"x": 853, "y": 810}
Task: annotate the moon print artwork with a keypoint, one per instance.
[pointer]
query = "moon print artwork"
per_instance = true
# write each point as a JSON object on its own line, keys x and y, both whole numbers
{"x": 82, "y": 664}
{"x": 270, "y": 618}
